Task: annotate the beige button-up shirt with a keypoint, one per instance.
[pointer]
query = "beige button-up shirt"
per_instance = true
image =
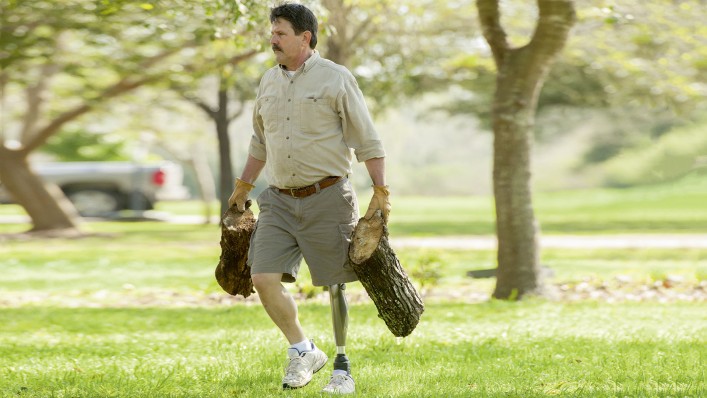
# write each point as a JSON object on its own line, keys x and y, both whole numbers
{"x": 307, "y": 126}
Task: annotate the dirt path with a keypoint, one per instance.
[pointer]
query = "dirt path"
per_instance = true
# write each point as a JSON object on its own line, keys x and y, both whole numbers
{"x": 621, "y": 241}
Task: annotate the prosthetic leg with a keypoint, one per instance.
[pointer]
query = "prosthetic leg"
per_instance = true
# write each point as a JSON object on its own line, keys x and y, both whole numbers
{"x": 340, "y": 319}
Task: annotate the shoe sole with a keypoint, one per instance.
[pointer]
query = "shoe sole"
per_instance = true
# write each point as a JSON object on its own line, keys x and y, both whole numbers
{"x": 289, "y": 387}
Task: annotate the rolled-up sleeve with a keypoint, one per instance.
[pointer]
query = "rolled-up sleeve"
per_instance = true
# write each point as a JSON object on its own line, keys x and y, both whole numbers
{"x": 358, "y": 129}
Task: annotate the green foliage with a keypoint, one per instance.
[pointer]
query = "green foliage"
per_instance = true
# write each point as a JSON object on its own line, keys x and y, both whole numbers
{"x": 424, "y": 268}
{"x": 79, "y": 145}
{"x": 63, "y": 56}
{"x": 643, "y": 59}
{"x": 623, "y": 128}
{"x": 673, "y": 155}
{"x": 646, "y": 51}
{"x": 396, "y": 48}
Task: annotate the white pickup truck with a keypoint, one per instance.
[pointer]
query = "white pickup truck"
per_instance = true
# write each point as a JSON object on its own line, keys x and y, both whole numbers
{"x": 100, "y": 189}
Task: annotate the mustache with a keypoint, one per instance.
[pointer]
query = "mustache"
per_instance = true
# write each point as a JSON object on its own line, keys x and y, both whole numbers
{"x": 275, "y": 47}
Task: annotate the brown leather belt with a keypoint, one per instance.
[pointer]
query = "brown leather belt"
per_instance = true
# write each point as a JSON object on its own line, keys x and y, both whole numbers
{"x": 303, "y": 192}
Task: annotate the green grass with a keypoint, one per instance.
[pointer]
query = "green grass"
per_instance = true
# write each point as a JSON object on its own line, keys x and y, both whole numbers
{"x": 129, "y": 312}
{"x": 677, "y": 207}
{"x": 150, "y": 260}
{"x": 133, "y": 310}
{"x": 573, "y": 212}
{"x": 493, "y": 349}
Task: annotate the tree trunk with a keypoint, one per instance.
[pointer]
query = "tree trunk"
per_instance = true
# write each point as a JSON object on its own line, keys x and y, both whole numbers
{"x": 385, "y": 280}
{"x": 224, "y": 149}
{"x": 204, "y": 179}
{"x": 338, "y": 43}
{"x": 521, "y": 73}
{"x": 516, "y": 227}
{"x": 46, "y": 205}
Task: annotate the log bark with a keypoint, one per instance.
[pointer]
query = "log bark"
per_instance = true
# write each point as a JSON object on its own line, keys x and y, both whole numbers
{"x": 232, "y": 271}
{"x": 383, "y": 277}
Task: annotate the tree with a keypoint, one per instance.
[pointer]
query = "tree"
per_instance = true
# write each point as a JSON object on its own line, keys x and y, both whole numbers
{"x": 232, "y": 89}
{"x": 240, "y": 31}
{"x": 69, "y": 59}
{"x": 395, "y": 48}
{"x": 56, "y": 55}
{"x": 637, "y": 65}
{"x": 520, "y": 75}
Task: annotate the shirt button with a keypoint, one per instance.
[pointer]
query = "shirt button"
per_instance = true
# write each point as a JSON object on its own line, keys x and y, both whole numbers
{"x": 287, "y": 138}
{"x": 288, "y": 118}
{"x": 293, "y": 174}
{"x": 291, "y": 82}
{"x": 315, "y": 100}
{"x": 289, "y": 100}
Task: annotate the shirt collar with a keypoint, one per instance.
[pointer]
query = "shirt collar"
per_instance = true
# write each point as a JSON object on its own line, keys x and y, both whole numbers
{"x": 307, "y": 65}
{"x": 310, "y": 62}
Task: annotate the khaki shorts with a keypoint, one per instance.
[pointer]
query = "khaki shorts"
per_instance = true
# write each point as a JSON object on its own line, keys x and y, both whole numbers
{"x": 317, "y": 228}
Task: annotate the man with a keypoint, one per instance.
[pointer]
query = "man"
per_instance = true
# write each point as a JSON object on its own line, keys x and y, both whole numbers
{"x": 309, "y": 117}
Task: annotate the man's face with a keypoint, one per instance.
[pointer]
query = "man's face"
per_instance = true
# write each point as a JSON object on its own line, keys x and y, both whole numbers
{"x": 286, "y": 45}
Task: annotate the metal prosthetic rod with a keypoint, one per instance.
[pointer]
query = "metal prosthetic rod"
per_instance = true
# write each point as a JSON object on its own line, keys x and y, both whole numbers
{"x": 340, "y": 319}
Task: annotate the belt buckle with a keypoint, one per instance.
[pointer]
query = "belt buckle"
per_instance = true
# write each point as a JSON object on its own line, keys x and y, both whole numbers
{"x": 292, "y": 192}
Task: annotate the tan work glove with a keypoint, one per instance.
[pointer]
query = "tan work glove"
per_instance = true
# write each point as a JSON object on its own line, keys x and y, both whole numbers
{"x": 240, "y": 194}
{"x": 379, "y": 201}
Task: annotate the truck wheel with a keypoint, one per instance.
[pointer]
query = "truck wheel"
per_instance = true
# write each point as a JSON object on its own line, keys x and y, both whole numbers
{"x": 93, "y": 202}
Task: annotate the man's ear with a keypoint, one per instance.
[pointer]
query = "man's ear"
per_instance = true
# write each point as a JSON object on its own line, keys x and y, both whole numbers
{"x": 307, "y": 37}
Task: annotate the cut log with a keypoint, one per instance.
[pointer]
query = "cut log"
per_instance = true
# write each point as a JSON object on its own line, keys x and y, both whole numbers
{"x": 385, "y": 280}
{"x": 232, "y": 271}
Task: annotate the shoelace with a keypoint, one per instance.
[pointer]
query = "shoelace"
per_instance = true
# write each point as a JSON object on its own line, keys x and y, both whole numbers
{"x": 338, "y": 380}
{"x": 292, "y": 366}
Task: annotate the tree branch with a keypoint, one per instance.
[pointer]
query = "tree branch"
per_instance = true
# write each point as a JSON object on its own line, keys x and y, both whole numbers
{"x": 554, "y": 23}
{"x": 362, "y": 33}
{"x": 211, "y": 113}
{"x": 47, "y": 131}
{"x": 124, "y": 85}
{"x": 237, "y": 59}
{"x": 34, "y": 101}
{"x": 490, "y": 19}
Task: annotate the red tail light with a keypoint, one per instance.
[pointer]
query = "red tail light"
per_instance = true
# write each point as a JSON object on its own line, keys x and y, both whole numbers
{"x": 158, "y": 177}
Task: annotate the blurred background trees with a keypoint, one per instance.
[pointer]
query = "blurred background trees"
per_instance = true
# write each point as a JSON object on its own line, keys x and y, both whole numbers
{"x": 631, "y": 73}
{"x": 63, "y": 61}
{"x": 623, "y": 104}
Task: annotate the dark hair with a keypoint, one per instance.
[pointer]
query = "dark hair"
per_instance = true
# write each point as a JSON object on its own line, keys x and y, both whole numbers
{"x": 301, "y": 18}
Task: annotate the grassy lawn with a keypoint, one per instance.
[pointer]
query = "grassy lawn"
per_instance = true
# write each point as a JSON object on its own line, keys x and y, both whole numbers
{"x": 678, "y": 207}
{"x": 134, "y": 311}
{"x": 575, "y": 212}
{"x": 493, "y": 349}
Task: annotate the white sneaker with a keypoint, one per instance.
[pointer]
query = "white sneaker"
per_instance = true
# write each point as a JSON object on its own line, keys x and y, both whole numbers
{"x": 340, "y": 384}
{"x": 302, "y": 366}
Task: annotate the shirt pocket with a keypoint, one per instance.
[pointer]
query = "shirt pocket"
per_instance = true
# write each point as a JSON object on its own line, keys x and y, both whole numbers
{"x": 317, "y": 116}
{"x": 267, "y": 109}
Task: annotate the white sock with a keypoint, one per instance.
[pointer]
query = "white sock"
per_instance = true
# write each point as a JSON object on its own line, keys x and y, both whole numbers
{"x": 303, "y": 346}
{"x": 340, "y": 372}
